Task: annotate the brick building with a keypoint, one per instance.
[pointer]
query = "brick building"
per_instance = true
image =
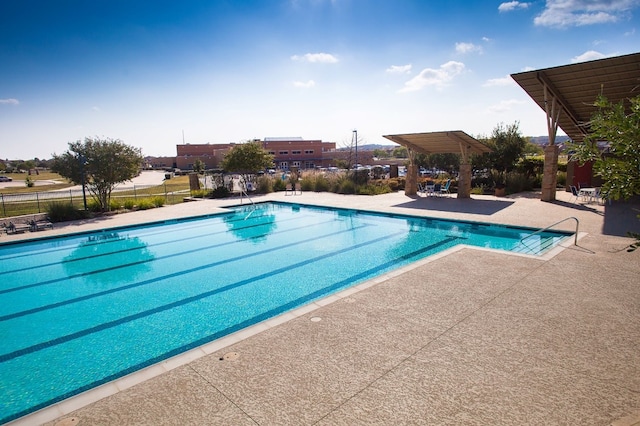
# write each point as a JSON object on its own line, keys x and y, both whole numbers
{"x": 288, "y": 153}
{"x": 298, "y": 153}
{"x": 210, "y": 154}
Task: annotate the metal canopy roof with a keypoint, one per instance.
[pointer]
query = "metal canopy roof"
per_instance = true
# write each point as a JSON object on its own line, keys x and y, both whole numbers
{"x": 577, "y": 86}
{"x": 440, "y": 142}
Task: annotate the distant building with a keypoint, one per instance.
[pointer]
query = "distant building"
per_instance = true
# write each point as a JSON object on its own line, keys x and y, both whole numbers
{"x": 288, "y": 153}
{"x": 210, "y": 154}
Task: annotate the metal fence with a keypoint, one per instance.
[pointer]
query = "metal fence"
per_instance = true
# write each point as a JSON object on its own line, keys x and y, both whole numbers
{"x": 38, "y": 202}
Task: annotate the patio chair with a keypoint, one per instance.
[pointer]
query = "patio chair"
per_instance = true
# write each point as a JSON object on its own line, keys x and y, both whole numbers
{"x": 575, "y": 194}
{"x": 445, "y": 189}
{"x": 288, "y": 189}
{"x": 298, "y": 189}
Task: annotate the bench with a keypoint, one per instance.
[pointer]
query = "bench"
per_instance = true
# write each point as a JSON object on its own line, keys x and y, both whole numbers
{"x": 31, "y": 222}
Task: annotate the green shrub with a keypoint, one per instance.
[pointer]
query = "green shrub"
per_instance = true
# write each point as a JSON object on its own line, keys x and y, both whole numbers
{"x": 220, "y": 192}
{"x": 279, "y": 185}
{"x": 561, "y": 178}
{"x": 129, "y": 204}
{"x": 347, "y": 186}
{"x": 200, "y": 193}
{"x": 517, "y": 182}
{"x": 396, "y": 184}
{"x": 145, "y": 204}
{"x": 92, "y": 205}
{"x": 374, "y": 189}
{"x": 62, "y": 211}
{"x": 264, "y": 185}
{"x": 114, "y": 204}
{"x": 478, "y": 190}
{"x": 158, "y": 201}
{"x": 322, "y": 184}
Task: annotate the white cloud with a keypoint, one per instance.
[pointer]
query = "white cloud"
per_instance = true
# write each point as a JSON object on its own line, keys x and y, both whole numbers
{"x": 399, "y": 69}
{"x": 565, "y": 13}
{"x": 512, "y": 5}
{"x": 96, "y": 109}
{"x": 304, "y": 85}
{"x": 9, "y": 101}
{"x": 502, "y": 81}
{"x": 590, "y": 55}
{"x": 468, "y": 48}
{"x": 434, "y": 77}
{"x": 504, "y": 106}
{"x": 325, "y": 58}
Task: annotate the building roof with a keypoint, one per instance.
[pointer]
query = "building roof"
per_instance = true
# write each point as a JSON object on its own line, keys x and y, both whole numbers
{"x": 439, "y": 142}
{"x": 283, "y": 139}
{"x": 577, "y": 86}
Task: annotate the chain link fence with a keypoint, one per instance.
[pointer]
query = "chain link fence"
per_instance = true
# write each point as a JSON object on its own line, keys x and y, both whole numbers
{"x": 38, "y": 202}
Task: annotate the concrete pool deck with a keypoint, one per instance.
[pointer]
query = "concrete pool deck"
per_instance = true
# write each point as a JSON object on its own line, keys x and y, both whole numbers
{"x": 471, "y": 337}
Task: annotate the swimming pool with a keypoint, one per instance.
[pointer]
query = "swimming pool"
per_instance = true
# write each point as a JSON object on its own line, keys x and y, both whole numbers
{"x": 83, "y": 310}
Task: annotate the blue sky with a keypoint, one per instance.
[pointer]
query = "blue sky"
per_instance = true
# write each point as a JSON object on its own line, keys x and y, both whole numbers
{"x": 229, "y": 71}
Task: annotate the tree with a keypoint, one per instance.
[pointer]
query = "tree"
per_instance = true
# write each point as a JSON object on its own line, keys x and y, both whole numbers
{"x": 619, "y": 127}
{"x": 508, "y": 146}
{"x": 400, "y": 152}
{"x": 247, "y": 159}
{"x": 99, "y": 163}
{"x": 198, "y": 166}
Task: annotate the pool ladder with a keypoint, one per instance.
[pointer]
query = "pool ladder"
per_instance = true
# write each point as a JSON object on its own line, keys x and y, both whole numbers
{"x": 575, "y": 241}
{"x": 243, "y": 192}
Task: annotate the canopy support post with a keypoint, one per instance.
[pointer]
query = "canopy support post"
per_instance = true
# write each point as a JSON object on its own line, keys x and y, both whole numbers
{"x": 550, "y": 171}
{"x": 411, "y": 183}
{"x": 464, "y": 174}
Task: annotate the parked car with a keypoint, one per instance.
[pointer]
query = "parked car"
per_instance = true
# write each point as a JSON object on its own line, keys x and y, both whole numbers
{"x": 5, "y": 179}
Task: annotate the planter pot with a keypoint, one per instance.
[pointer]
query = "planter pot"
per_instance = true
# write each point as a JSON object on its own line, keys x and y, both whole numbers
{"x": 499, "y": 192}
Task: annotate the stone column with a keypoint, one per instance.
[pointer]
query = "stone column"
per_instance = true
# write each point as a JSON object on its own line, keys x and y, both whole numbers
{"x": 550, "y": 173}
{"x": 464, "y": 181}
{"x": 411, "y": 184}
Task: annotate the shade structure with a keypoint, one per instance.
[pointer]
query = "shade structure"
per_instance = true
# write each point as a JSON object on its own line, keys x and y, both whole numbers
{"x": 567, "y": 95}
{"x": 575, "y": 88}
{"x": 454, "y": 141}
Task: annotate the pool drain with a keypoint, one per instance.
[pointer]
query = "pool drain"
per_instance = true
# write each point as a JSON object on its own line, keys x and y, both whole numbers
{"x": 316, "y": 319}
{"x": 230, "y": 356}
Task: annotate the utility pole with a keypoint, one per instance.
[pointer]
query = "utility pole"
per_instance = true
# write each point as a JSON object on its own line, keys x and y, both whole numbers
{"x": 355, "y": 136}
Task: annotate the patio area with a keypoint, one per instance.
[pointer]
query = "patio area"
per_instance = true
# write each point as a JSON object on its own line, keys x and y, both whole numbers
{"x": 470, "y": 336}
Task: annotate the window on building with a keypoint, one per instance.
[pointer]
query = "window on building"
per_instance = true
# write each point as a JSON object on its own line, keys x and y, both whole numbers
{"x": 296, "y": 152}
{"x": 272, "y": 153}
{"x": 295, "y": 164}
{"x": 308, "y": 151}
{"x": 283, "y": 152}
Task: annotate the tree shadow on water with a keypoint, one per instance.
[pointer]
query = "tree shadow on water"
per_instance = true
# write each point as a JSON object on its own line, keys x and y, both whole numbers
{"x": 109, "y": 257}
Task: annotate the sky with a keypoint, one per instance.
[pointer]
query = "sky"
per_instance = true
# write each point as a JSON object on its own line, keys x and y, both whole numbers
{"x": 155, "y": 74}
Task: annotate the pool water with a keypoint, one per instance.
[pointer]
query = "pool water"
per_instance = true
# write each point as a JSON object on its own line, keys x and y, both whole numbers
{"x": 83, "y": 310}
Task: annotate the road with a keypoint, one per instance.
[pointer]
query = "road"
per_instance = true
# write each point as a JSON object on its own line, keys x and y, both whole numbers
{"x": 147, "y": 177}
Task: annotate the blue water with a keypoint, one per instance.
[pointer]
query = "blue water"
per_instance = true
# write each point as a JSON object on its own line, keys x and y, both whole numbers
{"x": 82, "y": 310}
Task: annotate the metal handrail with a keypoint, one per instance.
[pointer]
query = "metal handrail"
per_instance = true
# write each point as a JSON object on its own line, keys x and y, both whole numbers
{"x": 575, "y": 242}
